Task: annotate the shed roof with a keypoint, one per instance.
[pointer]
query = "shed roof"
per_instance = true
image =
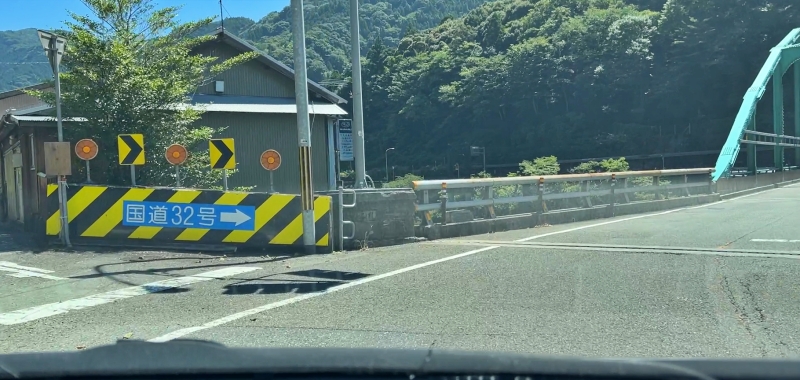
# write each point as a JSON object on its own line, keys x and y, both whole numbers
{"x": 259, "y": 104}
{"x": 44, "y": 119}
{"x": 21, "y": 90}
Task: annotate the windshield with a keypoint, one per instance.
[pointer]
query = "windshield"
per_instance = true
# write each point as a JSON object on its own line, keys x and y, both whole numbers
{"x": 591, "y": 178}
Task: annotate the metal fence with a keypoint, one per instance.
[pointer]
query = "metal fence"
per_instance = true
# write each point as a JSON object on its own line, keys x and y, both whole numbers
{"x": 493, "y": 197}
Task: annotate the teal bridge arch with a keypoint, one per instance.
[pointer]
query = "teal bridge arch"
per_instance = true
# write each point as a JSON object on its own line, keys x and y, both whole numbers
{"x": 782, "y": 58}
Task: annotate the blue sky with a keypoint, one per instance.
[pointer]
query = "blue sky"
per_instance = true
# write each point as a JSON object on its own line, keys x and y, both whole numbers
{"x": 50, "y": 14}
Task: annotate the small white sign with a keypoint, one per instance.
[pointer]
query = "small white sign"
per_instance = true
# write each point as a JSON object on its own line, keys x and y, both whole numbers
{"x": 345, "y": 127}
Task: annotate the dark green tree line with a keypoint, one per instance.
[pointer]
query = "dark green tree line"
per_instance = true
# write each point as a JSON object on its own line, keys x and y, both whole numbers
{"x": 570, "y": 78}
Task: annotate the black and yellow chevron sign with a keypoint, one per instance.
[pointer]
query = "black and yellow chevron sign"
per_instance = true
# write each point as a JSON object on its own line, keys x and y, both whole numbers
{"x": 222, "y": 153}
{"x": 131, "y": 149}
{"x": 186, "y": 215}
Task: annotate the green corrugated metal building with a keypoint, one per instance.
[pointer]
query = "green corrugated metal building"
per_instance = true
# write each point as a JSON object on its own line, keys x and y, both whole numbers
{"x": 255, "y": 101}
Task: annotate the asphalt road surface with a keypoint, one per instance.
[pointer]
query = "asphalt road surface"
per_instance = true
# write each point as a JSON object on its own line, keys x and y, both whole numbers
{"x": 719, "y": 280}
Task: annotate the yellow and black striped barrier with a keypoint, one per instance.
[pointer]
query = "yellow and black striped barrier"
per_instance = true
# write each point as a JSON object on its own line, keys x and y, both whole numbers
{"x": 187, "y": 215}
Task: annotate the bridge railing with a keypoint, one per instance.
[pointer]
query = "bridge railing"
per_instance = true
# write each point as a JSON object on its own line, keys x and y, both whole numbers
{"x": 492, "y": 197}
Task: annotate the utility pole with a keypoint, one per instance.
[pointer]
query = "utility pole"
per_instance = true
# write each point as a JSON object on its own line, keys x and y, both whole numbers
{"x": 358, "y": 107}
{"x": 303, "y": 126}
{"x": 55, "y": 46}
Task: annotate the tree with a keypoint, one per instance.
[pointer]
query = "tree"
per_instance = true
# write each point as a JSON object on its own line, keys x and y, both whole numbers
{"x": 125, "y": 72}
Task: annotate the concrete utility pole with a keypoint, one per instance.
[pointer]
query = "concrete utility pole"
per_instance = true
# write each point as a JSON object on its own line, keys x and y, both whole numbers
{"x": 303, "y": 126}
{"x": 358, "y": 107}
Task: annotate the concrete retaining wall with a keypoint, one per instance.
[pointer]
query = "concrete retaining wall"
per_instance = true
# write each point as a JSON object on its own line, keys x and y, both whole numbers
{"x": 381, "y": 216}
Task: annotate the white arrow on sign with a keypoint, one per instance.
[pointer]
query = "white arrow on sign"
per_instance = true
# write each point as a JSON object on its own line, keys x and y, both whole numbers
{"x": 237, "y": 217}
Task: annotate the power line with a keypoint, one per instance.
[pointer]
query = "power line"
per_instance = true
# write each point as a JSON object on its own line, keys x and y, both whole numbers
{"x": 23, "y": 63}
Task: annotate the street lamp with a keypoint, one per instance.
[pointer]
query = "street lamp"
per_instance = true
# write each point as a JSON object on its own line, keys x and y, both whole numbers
{"x": 54, "y": 47}
{"x": 387, "y": 163}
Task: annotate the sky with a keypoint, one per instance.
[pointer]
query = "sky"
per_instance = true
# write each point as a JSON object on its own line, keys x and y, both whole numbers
{"x": 51, "y": 14}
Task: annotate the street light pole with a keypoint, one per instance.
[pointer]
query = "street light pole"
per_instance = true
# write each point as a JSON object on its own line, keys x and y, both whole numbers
{"x": 55, "y": 47}
{"x": 387, "y": 163}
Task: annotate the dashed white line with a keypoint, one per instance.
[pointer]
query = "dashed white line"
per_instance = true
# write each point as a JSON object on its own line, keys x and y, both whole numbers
{"x": 49, "y": 310}
{"x": 775, "y": 241}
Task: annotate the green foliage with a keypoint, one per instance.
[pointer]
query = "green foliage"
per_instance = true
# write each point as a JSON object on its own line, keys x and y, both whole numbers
{"x": 540, "y": 166}
{"x": 327, "y": 30}
{"x": 525, "y": 78}
{"x": 347, "y": 174}
{"x": 608, "y": 165}
{"x": 574, "y": 79}
{"x": 125, "y": 73}
{"x": 404, "y": 182}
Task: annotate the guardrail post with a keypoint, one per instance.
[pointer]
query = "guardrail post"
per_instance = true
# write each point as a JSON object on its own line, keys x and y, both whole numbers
{"x": 685, "y": 182}
{"x": 491, "y": 206}
{"x": 657, "y": 183}
{"x": 613, "y": 195}
{"x": 585, "y": 189}
{"x": 427, "y": 214}
{"x": 443, "y": 203}
{"x": 711, "y": 189}
{"x": 542, "y": 207}
{"x": 625, "y": 186}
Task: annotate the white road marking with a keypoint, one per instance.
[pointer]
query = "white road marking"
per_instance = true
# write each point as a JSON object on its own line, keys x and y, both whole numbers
{"x": 230, "y": 318}
{"x": 274, "y": 305}
{"x": 49, "y": 310}
{"x": 775, "y": 241}
{"x": 21, "y": 271}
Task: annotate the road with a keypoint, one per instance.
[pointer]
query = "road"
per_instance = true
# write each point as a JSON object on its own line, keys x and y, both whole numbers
{"x": 719, "y": 280}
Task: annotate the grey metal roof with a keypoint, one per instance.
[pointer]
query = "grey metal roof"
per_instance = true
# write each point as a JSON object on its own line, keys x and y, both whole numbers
{"x": 32, "y": 109}
{"x": 243, "y": 45}
{"x": 44, "y": 119}
{"x": 21, "y": 90}
{"x": 259, "y": 104}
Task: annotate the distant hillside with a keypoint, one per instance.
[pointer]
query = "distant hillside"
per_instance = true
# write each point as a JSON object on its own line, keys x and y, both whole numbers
{"x": 328, "y": 28}
{"x": 23, "y": 62}
{"x": 327, "y": 35}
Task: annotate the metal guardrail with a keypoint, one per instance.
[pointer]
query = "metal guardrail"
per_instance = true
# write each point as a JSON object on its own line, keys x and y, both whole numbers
{"x": 554, "y": 192}
{"x": 340, "y": 217}
{"x": 770, "y": 139}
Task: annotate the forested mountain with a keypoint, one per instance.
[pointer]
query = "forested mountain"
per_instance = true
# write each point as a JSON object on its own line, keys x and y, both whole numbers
{"x": 327, "y": 31}
{"x": 571, "y": 78}
{"x": 23, "y": 62}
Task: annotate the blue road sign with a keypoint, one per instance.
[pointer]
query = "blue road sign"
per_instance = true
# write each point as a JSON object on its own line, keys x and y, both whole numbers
{"x": 188, "y": 215}
{"x": 345, "y": 140}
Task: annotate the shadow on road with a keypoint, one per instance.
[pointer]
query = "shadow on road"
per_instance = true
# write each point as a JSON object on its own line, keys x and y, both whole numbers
{"x": 101, "y": 271}
{"x": 265, "y": 285}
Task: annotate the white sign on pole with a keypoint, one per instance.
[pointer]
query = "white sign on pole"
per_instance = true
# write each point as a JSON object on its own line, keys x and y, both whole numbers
{"x": 55, "y": 56}
{"x": 345, "y": 127}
